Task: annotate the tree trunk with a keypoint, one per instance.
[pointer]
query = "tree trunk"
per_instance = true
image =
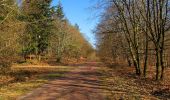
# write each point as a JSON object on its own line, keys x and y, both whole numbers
{"x": 137, "y": 67}
{"x": 162, "y": 64}
{"x": 138, "y": 64}
{"x": 162, "y": 71}
{"x": 158, "y": 64}
{"x": 146, "y": 57}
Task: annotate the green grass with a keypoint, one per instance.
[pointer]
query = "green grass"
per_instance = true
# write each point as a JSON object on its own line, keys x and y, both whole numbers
{"x": 37, "y": 77}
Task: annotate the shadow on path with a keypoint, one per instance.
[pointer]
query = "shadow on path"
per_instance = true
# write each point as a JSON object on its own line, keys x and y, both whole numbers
{"x": 80, "y": 84}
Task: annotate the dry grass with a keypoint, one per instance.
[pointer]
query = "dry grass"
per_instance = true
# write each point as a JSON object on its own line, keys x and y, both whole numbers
{"x": 23, "y": 79}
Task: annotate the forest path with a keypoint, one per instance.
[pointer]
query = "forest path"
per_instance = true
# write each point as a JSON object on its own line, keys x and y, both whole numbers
{"x": 82, "y": 83}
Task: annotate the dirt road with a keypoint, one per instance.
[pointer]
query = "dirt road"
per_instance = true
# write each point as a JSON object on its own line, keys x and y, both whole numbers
{"x": 82, "y": 83}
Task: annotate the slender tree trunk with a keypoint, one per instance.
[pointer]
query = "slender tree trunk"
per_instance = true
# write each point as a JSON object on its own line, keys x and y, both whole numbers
{"x": 135, "y": 63}
{"x": 158, "y": 64}
{"x": 162, "y": 70}
{"x": 162, "y": 65}
{"x": 146, "y": 57}
{"x": 136, "y": 60}
{"x": 138, "y": 64}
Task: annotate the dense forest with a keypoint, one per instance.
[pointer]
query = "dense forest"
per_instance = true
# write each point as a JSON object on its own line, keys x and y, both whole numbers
{"x": 135, "y": 31}
{"x": 34, "y": 29}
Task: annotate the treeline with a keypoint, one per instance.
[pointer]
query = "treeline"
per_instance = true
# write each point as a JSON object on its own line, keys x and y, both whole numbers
{"x": 135, "y": 31}
{"x": 34, "y": 28}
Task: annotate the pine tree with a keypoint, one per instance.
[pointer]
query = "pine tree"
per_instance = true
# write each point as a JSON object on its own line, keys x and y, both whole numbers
{"x": 59, "y": 12}
{"x": 77, "y": 27}
{"x": 39, "y": 18}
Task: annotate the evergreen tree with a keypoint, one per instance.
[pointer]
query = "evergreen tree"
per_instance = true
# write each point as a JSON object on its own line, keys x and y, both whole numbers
{"x": 77, "y": 27}
{"x": 38, "y": 16}
{"x": 59, "y": 12}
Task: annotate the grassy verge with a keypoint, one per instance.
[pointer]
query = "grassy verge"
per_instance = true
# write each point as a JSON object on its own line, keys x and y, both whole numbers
{"x": 23, "y": 79}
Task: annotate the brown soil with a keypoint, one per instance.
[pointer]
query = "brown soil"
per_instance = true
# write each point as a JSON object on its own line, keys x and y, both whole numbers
{"x": 82, "y": 83}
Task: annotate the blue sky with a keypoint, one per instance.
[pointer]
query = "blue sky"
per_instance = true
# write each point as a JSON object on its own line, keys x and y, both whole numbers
{"x": 78, "y": 11}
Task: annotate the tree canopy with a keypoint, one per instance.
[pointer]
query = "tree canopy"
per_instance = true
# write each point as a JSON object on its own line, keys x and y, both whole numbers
{"x": 35, "y": 28}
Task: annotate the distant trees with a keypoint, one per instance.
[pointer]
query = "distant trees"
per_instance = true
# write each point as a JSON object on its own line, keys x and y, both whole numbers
{"x": 59, "y": 43}
{"x": 67, "y": 42}
{"x": 142, "y": 25}
{"x": 59, "y": 12}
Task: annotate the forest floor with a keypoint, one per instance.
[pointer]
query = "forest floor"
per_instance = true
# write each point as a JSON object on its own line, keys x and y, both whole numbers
{"x": 86, "y": 81}
{"x": 93, "y": 81}
{"x": 123, "y": 84}
{"x": 82, "y": 83}
{"x": 25, "y": 78}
